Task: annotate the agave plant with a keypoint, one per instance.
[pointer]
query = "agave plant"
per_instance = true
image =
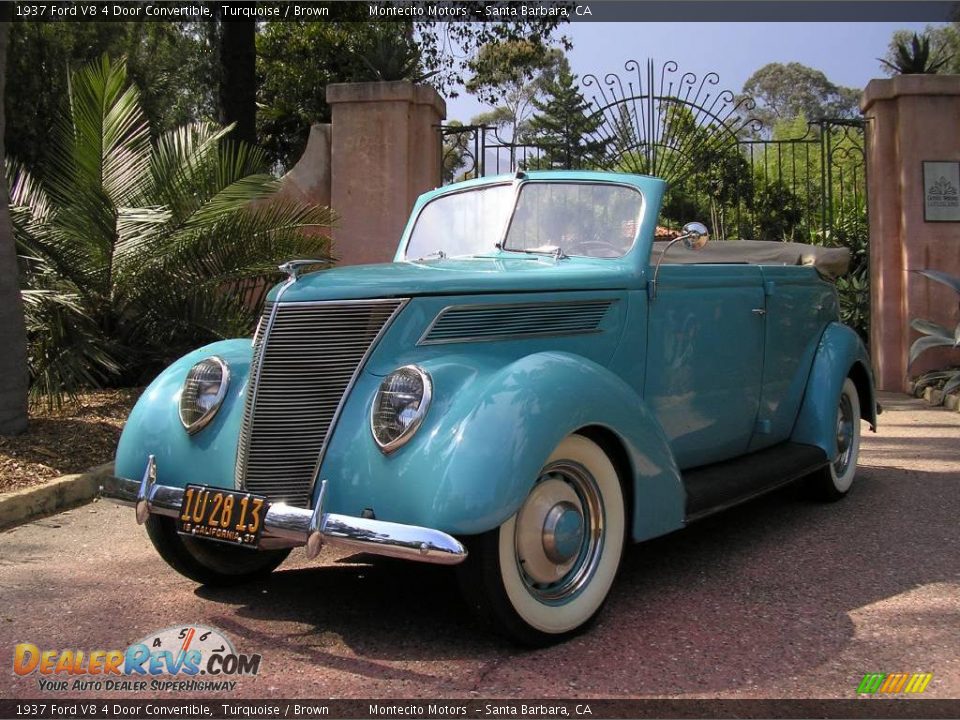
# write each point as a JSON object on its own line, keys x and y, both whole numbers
{"x": 133, "y": 251}
{"x": 393, "y": 55}
{"x": 936, "y": 335}
{"x": 914, "y": 57}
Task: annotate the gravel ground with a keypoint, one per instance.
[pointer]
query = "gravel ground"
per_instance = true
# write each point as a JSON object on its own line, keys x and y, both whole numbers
{"x": 779, "y": 598}
{"x": 70, "y": 440}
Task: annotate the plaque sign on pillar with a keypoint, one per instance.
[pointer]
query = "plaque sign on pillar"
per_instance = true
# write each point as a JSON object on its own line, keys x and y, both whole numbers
{"x": 941, "y": 191}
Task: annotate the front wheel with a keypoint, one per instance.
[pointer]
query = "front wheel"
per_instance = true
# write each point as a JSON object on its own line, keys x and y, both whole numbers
{"x": 544, "y": 573}
{"x": 834, "y": 481}
{"x": 208, "y": 562}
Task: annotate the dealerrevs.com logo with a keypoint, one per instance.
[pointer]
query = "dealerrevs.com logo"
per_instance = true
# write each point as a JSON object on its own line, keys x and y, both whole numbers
{"x": 185, "y": 658}
{"x": 894, "y": 683}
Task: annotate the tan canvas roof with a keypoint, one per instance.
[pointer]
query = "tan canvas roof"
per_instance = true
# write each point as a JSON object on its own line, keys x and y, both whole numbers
{"x": 831, "y": 263}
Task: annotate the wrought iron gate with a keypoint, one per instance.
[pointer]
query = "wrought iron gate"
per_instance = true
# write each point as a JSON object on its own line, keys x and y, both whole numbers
{"x": 707, "y": 145}
{"x": 805, "y": 183}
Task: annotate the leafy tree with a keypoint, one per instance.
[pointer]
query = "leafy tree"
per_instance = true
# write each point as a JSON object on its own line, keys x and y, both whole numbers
{"x": 134, "y": 250}
{"x": 515, "y": 72}
{"x": 783, "y": 92}
{"x": 458, "y": 154}
{"x": 715, "y": 174}
{"x": 565, "y": 125}
{"x": 778, "y": 211}
{"x": 912, "y": 56}
{"x": 297, "y": 60}
{"x": 445, "y": 45}
{"x": 13, "y": 353}
{"x": 170, "y": 61}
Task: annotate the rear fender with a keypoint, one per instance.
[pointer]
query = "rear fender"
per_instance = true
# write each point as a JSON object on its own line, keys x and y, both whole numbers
{"x": 840, "y": 355}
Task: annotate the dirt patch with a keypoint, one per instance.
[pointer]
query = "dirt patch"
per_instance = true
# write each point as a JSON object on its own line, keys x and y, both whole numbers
{"x": 70, "y": 440}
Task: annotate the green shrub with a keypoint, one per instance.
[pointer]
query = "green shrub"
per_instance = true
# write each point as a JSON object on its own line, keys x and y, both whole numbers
{"x": 133, "y": 252}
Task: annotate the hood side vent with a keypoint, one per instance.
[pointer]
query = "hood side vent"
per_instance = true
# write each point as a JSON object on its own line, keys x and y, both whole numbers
{"x": 513, "y": 321}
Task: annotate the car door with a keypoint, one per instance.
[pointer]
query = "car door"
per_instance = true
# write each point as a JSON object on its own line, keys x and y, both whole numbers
{"x": 799, "y": 306}
{"x": 705, "y": 348}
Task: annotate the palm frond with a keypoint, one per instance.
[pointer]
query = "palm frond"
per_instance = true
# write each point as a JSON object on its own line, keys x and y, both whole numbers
{"x": 67, "y": 350}
{"x": 133, "y": 254}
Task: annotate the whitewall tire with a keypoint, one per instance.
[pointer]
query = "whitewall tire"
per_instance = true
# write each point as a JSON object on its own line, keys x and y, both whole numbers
{"x": 835, "y": 480}
{"x": 544, "y": 573}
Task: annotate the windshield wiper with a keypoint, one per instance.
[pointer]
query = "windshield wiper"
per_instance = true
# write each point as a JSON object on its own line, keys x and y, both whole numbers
{"x": 555, "y": 250}
{"x": 439, "y": 254}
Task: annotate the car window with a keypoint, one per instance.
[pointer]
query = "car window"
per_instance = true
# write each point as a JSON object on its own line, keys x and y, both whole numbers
{"x": 590, "y": 219}
{"x": 463, "y": 223}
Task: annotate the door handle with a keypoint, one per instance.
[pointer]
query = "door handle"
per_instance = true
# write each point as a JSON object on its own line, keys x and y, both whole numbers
{"x": 759, "y": 311}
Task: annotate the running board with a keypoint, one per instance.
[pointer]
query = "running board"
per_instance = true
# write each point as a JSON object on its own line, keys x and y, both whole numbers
{"x": 711, "y": 488}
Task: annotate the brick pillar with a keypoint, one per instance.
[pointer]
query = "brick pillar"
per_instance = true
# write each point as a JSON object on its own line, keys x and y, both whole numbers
{"x": 385, "y": 151}
{"x": 911, "y": 119}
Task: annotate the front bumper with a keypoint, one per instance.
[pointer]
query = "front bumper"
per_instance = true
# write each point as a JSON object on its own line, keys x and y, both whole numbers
{"x": 286, "y": 526}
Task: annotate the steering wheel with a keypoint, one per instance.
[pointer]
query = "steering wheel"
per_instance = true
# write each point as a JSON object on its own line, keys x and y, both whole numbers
{"x": 597, "y": 248}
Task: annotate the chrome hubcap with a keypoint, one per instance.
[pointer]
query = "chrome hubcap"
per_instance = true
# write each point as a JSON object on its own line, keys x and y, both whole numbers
{"x": 559, "y": 532}
{"x": 562, "y": 532}
{"x": 845, "y": 431}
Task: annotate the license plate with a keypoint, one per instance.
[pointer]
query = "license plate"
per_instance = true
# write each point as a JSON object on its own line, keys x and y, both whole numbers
{"x": 223, "y": 515}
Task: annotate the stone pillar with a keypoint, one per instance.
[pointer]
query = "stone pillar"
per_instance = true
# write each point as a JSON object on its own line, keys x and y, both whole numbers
{"x": 385, "y": 152}
{"x": 910, "y": 119}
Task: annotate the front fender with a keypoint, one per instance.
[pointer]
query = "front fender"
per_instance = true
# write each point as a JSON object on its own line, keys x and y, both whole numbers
{"x": 154, "y": 427}
{"x": 840, "y": 355}
{"x": 485, "y": 438}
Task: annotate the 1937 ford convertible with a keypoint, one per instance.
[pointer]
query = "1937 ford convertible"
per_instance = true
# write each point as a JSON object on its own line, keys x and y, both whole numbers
{"x": 530, "y": 384}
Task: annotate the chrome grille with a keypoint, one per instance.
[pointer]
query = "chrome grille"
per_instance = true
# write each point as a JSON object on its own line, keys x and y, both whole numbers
{"x": 506, "y": 321}
{"x": 305, "y": 358}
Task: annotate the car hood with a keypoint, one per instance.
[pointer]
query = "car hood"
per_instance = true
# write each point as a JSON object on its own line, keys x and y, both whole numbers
{"x": 448, "y": 277}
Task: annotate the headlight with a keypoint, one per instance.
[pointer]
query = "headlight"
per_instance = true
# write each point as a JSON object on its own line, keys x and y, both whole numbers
{"x": 203, "y": 392}
{"x": 399, "y": 406}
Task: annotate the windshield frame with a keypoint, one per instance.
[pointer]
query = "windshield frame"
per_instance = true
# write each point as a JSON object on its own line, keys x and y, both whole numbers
{"x": 517, "y": 184}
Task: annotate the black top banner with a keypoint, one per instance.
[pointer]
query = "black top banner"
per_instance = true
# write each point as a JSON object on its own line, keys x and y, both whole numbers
{"x": 467, "y": 11}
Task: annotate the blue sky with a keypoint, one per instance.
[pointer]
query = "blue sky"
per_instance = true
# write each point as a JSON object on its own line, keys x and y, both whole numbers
{"x": 845, "y": 52}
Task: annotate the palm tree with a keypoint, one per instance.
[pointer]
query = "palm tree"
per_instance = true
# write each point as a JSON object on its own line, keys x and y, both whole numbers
{"x": 13, "y": 349}
{"x": 136, "y": 251}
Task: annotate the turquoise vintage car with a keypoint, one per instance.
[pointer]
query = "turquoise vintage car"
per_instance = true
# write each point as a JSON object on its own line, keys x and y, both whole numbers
{"x": 532, "y": 383}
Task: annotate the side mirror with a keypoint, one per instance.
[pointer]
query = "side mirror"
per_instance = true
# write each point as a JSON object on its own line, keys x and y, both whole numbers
{"x": 694, "y": 236}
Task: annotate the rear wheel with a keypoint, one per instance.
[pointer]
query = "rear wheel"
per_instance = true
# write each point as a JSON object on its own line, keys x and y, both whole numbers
{"x": 207, "y": 562}
{"x": 543, "y": 574}
{"x": 834, "y": 481}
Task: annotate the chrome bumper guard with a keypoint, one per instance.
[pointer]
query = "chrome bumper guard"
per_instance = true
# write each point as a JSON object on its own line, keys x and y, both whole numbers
{"x": 286, "y": 526}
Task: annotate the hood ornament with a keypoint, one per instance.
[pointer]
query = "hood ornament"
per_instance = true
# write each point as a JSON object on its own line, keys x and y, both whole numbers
{"x": 293, "y": 268}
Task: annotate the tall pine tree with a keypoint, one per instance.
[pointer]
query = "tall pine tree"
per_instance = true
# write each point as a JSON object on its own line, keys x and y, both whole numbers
{"x": 565, "y": 125}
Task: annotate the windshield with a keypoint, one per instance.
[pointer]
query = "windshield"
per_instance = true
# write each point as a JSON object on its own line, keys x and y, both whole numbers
{"x": 464, "y": 223}
{"x": 588, "y": 219}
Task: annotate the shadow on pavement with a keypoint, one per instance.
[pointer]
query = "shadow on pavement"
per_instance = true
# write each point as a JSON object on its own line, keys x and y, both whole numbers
{"x": 739, "y": 599}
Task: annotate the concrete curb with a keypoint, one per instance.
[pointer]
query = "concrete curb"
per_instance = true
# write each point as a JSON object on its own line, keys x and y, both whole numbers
{"x": 64, "y": 492}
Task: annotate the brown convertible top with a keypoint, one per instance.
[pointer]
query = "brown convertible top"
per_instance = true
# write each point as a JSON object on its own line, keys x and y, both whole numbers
{"x": 831, "y": 263}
